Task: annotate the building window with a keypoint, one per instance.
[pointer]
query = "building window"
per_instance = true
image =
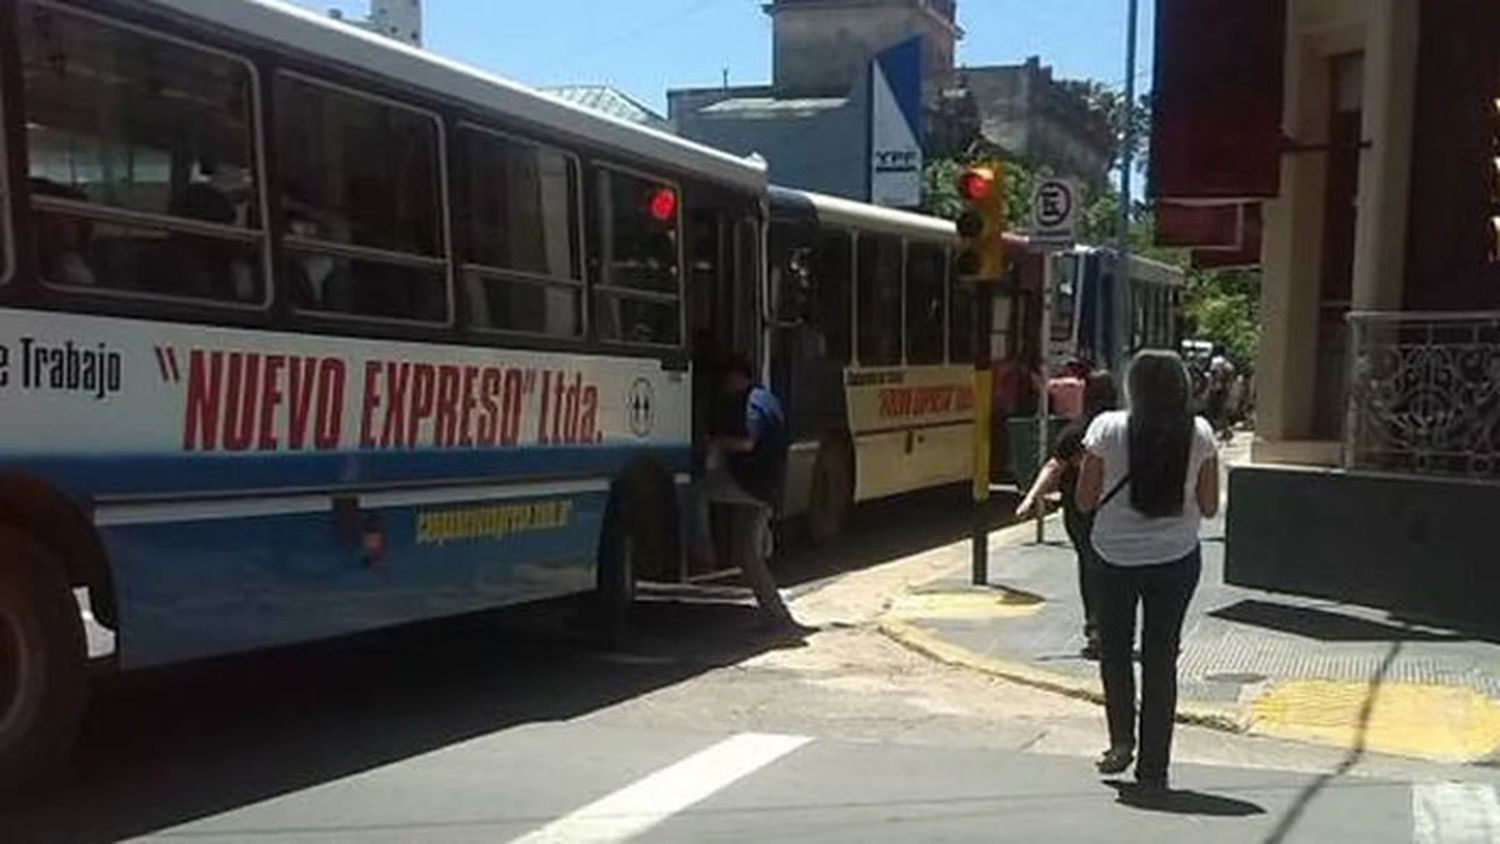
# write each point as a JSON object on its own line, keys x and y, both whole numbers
{"x": 832, "y": 278}
{"x": 926, "y": 275}
{"x": 360, "y": 191}
{"x": 879, "y": 293}
{"x": 518, "y": 209}
{"x": 638, "y": 295}
{"x": 140, "y": 160}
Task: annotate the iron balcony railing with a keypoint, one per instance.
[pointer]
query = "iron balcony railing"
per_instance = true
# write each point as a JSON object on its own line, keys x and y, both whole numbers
{"x": 1424, "y": 393}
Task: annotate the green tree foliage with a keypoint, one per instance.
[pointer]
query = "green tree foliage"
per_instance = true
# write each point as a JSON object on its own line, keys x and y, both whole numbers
{"x": 1222, "y": 306}
{"x": 1109, "y": 102}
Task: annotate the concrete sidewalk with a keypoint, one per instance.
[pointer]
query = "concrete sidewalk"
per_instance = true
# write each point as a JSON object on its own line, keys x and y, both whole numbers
{"x": 1251, "y": 661}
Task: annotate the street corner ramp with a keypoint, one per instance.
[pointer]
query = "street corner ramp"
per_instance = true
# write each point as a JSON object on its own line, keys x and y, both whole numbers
{"x": 977, "y": 603}
{"x": 1444, "y": 723}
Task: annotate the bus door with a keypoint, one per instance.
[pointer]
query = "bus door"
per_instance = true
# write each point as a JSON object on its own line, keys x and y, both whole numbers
{"x": 724, "y": 259}
{"x": 724, "y": 280}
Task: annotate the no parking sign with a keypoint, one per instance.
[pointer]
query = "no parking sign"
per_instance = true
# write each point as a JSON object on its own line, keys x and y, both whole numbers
{"x": 1054, "y": 214}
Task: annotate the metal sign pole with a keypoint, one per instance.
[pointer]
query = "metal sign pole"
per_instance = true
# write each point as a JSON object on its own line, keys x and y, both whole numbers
{"x": 1043, "y": 404}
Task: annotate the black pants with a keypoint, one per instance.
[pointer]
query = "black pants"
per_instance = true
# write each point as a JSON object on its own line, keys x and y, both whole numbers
{"x": 1080, "y": 527}
{"x": 1164, "y": 592}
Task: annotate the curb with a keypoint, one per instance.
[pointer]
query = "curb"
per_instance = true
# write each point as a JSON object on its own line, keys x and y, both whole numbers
{"x": 932, "y": 646}
{"x": 1233, "y": 719}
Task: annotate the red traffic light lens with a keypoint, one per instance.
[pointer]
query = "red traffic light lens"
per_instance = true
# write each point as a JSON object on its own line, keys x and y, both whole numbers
{"x": 974, "y": 185}
{"x": 663, "y": 204}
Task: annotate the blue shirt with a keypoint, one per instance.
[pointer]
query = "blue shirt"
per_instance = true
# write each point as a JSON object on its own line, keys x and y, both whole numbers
{"x": 762, "y": 470}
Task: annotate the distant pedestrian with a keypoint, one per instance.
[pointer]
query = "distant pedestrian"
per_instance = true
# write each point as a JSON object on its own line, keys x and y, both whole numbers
{"x": 1151, "y": 474}
{"x": 1061, "y": 473}
{"x": 746, "y": 469}
{"x": 1065, "y": 389}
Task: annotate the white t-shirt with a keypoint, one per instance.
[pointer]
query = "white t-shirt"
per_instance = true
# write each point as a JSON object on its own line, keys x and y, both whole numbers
{"x": 1123, "y": 536}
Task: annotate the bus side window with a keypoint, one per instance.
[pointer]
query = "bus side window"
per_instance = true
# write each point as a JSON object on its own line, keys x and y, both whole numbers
{"x": 141, "y": 156}
{"x": 518, "y": 207}
{"x": 925, "y": 315}
{"x": 879, "y": 293}
{"x": 961, "y": 307}
{"x": 363, "y": 231}
{"x": 637, "y": 298}
{"x": 831, "y": 281}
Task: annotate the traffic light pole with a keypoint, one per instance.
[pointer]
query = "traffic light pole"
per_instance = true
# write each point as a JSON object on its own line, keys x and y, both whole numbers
{"x": 984, "y": 391}
{"x": 1044, "y": 397}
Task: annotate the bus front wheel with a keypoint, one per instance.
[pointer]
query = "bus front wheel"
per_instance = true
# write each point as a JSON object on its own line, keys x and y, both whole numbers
{"x": 832, "y": 495}
{"x": 42, "y": 655}
{"x": 620, "y": 545}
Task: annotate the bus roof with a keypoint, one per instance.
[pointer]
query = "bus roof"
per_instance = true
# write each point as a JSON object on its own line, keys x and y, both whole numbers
{"x": 280, "y": 23}
{"x": 1142, "y": 268}
{"x": 839, "y": 211}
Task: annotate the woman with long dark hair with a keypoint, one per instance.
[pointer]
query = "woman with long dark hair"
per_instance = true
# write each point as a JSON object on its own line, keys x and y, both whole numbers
{"x": 1150, "y": 474}
{"x": 1061, "y": 473}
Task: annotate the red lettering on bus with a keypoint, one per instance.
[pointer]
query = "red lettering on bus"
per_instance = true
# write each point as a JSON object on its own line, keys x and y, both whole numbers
{"x": 241, "y": 395}
{"x": 588, "y": 422}
{"x": 422, "y": 383}
{"x": 330, "y": 404}
{"x": 542, "y": 421}
{"x": 371, "y": 401}
{"x": 303, "y": 377}
{"x": 270, "y": 399}
{"x": 488, "y": 428}
{"x": 466, "y": 407}
{"x": 511, "y": 409}
{"x": 201, "y": 427}
{"x": 570, "y": 409}
{"x": 445, "y": 421}
{"x": 397, "y": 377}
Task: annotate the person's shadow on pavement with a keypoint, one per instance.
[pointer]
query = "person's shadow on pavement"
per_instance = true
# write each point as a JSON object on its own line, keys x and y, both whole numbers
{"x": 1181, "y": 801}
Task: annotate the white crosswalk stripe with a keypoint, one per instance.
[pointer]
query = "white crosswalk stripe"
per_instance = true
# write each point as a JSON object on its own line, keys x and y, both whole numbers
{"x": 1455, "y": 813}
{"x": 647, "y": 802}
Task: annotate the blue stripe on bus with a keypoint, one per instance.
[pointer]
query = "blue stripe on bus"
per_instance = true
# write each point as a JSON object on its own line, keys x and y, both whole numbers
{"x": 158, "y": 474}
{"x": 186, "y": 593}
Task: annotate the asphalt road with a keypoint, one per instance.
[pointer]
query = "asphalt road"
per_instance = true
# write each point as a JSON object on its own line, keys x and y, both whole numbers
{"x": 510, "y": 727}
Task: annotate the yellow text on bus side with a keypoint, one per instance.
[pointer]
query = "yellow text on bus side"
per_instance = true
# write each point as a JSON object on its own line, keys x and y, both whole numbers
{"x": 492, "y": 521}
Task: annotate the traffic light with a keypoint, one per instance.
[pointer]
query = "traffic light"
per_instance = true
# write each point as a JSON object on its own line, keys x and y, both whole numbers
{"x": 982, "y": 224}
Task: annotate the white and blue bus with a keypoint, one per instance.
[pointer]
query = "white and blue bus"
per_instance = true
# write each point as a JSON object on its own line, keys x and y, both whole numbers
{"x": 304, "y": 332}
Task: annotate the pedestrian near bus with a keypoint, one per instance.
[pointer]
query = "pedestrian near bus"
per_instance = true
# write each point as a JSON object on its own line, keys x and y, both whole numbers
{"x": 1061, "y": 473}
{"x": 1150, "y": 474}
{"x": 746, "y": 470}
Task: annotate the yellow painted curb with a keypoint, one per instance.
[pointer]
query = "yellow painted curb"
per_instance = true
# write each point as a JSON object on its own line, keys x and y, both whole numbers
{"x": 1446, "y": 723}
{"x": 1449, "y": 723}
{"x": 935, "y": 647}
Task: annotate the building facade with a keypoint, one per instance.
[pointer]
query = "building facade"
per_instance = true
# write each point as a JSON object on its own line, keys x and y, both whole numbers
{"x": 812, "y": 121}
{"x": 1036, "y": 119}
{"x": 1364, "y": 136}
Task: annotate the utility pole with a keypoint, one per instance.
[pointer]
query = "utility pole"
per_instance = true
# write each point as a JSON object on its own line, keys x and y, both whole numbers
{"x": 1127, "y": 164}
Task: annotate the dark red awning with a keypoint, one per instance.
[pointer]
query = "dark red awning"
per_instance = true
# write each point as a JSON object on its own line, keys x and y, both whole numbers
{"x": 1217, "y": 99}
{"x": 1211, "y": 226}
{"x": 1245, "y": 252}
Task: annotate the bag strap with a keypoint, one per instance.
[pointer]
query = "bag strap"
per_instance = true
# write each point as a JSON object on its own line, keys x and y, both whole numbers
{"x": 1114, "y": 490}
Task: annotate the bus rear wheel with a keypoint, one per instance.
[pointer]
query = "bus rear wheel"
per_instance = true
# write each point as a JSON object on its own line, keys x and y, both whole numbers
{"x": 42, "y": 655}
{"x": 832, "y": 495}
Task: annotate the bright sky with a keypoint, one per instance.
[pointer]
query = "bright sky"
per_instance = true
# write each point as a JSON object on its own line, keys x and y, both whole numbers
{"x": 646, "y": 46}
